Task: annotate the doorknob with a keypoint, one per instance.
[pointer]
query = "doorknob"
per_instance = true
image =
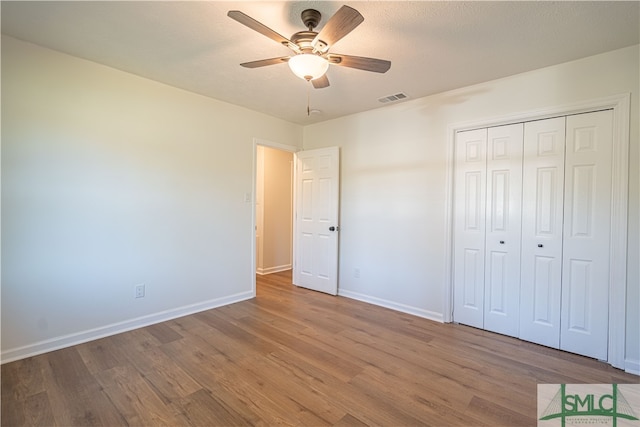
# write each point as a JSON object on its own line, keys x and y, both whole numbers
{"x": 332, "y": 228}
{"x": 502, "y": 242}
{"x": 540, "y": 245}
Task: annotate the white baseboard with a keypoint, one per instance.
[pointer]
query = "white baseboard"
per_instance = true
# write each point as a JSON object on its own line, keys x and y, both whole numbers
{"x": 437, "y": 317}
{"x": 116, "y": 328}
{"x": 632, "y": 366}
{"x": 277, "y": 269}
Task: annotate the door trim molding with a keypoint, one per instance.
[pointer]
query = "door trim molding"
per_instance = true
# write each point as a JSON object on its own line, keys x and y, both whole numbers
{"x": 620, "y": 104}
{"x": 254, "y": 176}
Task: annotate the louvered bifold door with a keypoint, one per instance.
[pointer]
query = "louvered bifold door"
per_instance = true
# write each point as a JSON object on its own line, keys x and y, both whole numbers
{"x": 503, "y": 228}
{"x": 469, "y": 227}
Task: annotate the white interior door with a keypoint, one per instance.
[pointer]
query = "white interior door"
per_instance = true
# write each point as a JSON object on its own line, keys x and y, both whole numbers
{"x": 542, "y": 220}
{"x": 587, "y": 213}
{"x": 469, "y": 239}
{"x": 316, "y": 220}
{"x": 503, "y": 229}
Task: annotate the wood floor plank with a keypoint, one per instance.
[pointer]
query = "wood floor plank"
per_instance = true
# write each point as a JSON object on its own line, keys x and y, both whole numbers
{"x": 417, "y": 399}
{"x": 205, "y": 365}
{"x": 302, "y": 314}
{"x": 37, "y": 410}
{"x": 317, "y": 408}
{"x": 292, "y": 356}
{"x": 230, "y": 339}
{"x": 134, "y": 398}
{"x": 136, "y": 340}
{"x": 495, "y": 414}
{"x": 370, "y": 409}
{"x": 350, "y": 421}
{"x": 338, "y": 365}
{"x": 13, "y": 413}
{"x": 187, "y": 326}
{"x": 400, "y": 371}
{"x": 230, "y": 382}
{"x": 75, "y": 396}
{"x": 22, "y": 378}
{"x": 100, "y": 355}
{"x": 168, "y": 379}
{"x": 163, "y": 332}
{"x": 203, "y": 408}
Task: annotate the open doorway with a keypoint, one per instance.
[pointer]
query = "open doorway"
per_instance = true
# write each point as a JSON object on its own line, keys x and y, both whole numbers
{"x": 273, "y": 210}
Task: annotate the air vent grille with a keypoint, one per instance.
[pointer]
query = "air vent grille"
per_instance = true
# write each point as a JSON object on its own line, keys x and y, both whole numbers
{"x": 393, "y": 98}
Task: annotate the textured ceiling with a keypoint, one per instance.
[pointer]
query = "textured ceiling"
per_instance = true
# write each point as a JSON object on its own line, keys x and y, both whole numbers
{"x": 433, "y": 46}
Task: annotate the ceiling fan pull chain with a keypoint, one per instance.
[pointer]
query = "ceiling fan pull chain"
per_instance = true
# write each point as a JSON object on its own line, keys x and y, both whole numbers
{"x": 309, "y": 99}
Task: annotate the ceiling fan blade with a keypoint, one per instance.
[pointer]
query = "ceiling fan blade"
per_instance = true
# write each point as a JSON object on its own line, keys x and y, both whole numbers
{"x": 245, "y": 19}
{"x": 320, "y": 82}
{"x": 360, "y": 62}
{"x": 338, "y": 26}
{"x": 265, "y": 62}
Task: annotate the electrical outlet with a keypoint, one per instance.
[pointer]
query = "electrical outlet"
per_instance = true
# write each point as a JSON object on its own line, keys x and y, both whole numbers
{"x": 139, "y": 291}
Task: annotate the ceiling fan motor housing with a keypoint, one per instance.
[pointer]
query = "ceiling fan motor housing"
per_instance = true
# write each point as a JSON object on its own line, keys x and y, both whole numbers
{"x": 311, "y": 18}
{"x": 304, "y": 39}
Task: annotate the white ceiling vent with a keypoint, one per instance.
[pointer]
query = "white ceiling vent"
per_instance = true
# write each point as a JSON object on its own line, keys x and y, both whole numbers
{"x": 393, "y": 98}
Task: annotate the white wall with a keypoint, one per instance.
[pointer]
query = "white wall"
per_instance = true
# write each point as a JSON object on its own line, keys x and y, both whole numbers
{"x": 110, "y": 180}
{"x": 393, "y": 180}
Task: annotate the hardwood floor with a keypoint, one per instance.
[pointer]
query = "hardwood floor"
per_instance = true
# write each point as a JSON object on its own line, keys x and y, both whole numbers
{"x": 292, "y": 357}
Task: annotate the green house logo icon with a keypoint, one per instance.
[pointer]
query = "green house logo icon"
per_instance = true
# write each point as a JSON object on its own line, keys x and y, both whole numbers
{"x": 589, "y": 407}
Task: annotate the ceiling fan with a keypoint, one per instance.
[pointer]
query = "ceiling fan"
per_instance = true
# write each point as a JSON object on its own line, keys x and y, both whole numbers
{"x": 311, "y": 57}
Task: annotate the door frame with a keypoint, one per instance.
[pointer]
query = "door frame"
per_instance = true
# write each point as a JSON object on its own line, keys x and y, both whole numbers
{"x": 620, "y": 104}
{"x": 277, "y": 146}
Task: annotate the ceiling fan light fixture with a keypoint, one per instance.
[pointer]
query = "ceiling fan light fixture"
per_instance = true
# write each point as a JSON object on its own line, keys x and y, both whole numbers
{"x": 308, "y": 66}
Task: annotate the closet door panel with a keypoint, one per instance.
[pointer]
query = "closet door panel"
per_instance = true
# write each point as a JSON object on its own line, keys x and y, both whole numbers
{"x": 503, "y": 228}
{"x": 542, "y": 220}
{"x": 585, "y": 314}
{"x": 469, "y": 223}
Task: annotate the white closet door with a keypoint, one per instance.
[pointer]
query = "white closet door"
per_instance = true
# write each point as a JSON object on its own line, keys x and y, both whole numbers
{"x": 470, "y": 199}
{"x": 503, "y": 228}
{"x": 587, "y": 204}
{"x": 542, "y": 215}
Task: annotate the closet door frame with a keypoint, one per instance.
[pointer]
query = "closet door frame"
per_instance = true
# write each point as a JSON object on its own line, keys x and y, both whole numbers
{"x": 620, "y": 104}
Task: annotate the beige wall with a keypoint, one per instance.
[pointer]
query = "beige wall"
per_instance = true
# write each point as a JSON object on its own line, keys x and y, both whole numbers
{"x": 274, "y": 210}
{"x": 259, "y": 196}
